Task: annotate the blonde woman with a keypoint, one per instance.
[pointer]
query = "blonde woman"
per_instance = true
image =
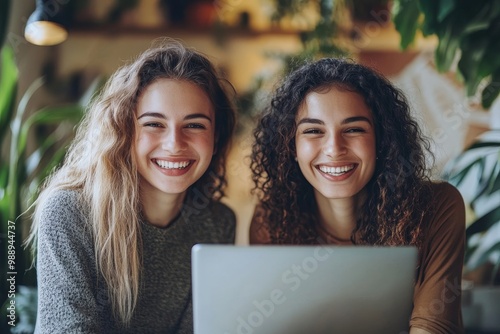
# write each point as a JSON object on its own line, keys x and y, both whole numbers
{"x": 140, "y": 186}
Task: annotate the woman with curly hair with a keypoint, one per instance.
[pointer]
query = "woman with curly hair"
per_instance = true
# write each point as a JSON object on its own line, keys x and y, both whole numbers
{"x": 140, "y": 186}
{"x": 338, "y": 159}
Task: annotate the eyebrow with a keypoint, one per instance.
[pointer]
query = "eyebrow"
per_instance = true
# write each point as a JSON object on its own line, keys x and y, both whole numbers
{"x": 162, "y": 116}
{"x": 345, "y": 121}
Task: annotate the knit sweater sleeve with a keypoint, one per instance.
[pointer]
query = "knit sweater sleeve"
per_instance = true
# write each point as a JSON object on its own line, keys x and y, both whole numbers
{"x": 66, "y": 269}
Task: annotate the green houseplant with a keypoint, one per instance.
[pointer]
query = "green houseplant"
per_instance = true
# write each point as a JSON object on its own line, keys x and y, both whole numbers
{"x": 476, "y": 173}
{"x": 22, "y": 171}
{"x": 33, "y": 142}
{"x": 467, "y": 31}
{"x": 468, "y": 34}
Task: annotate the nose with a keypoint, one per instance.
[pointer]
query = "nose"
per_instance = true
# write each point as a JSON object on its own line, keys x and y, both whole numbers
{"x": 174, "y": 141}
{"x": 334, "y": 145}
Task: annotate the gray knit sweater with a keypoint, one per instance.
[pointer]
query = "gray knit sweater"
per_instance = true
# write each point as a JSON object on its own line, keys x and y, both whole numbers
{"x": 72, "y": 295}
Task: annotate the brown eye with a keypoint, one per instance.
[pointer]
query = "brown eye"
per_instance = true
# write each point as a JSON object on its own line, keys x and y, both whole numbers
{"x": 195, "y": 126}
{"x": 312, "y": 131}
{"x": 353, "y": 130}
{"x": 153, "y": 125}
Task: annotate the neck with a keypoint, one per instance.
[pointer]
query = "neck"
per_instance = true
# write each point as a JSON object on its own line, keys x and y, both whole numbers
{"x": 337, "y": 217}
{"x": 161, "y": 210}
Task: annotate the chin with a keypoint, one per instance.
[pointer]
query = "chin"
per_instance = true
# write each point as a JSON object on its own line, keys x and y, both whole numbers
{"x": 332, "y": 194}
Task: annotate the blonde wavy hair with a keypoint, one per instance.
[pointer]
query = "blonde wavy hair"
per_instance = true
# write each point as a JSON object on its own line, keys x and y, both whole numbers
{"x": 101, "y": 166}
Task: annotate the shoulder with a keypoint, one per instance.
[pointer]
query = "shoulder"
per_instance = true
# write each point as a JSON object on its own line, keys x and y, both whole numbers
{"x": 444, "y": 191}
{"x": 62, "y": 198}
{"x": 219, "y": 209}
{"x": 62, "y": 210}
{"x": 61, "y": 202}
{"x": 448, "y": 209}
{"x": 440, "y": 262}
{"x": 446, "y": 197}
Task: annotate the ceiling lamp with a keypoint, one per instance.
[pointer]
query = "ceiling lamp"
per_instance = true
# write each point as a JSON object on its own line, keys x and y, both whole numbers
{"x": 47, "y": 25}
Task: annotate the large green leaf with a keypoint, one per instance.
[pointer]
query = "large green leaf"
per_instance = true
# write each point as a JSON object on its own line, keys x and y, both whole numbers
{"x": 49, "y": 115}
{"x": 16, "y": 174}
{"x": 484, "y": 223}
{"x": 491, "y": 92}
{"x": 490, "y": 61}
{"x": 445, "y": 7}
{"x": 8, "y": 89}
{"x": 481, "y": 15}
{"x": 406, "y": 20}
{"x": 482, "y": 144}
{"x": 469, "y": 251}
{"x": 456, "y": 177}
{"x": 456, "y": 25}
{"x": 479, "y": 163}
{"x": 4, "y": 20}
{"x": 481, "y": 256}
{"x": 47, "y": 144}
{"x": 495, "y": 179}
{"x": 430, "y": 8}
{"x": 4, "y": 203}
{"x": 4, "y": 173}
{"x": 47, "y": 168}
{"x": 480, "y": 178}
{"x": 448, "y": 43}
{"x": 476, "y": 45}
{"x": 487, "y": 183}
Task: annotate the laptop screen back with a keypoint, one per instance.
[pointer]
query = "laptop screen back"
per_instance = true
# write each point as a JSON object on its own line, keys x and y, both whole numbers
{"x": 302, "y": 289}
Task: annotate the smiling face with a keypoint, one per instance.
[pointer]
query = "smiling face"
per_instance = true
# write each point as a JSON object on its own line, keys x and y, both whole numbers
{"x": 335, "y": 142}
{"x": 174, "y": 136}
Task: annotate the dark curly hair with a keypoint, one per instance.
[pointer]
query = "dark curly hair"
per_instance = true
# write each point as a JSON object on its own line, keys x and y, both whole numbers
{"x": 396, "y": 202}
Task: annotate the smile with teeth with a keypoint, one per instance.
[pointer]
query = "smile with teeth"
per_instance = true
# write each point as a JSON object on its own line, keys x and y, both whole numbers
{"x": 336, "y": 171}
{"x": 172, "y": 165}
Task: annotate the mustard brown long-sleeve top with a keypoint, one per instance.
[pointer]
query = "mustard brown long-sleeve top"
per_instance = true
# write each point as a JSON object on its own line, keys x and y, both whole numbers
{"x": 437, "y": 293}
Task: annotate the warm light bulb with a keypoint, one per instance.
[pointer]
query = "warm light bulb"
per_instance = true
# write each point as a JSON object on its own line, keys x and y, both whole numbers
{"x": 45, "y": 33}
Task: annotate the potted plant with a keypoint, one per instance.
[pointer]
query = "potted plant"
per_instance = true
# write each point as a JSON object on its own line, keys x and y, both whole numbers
{"x": 468, "y": 32}
{"x": 476, "y": 174}
{"x": 22, "y": 169}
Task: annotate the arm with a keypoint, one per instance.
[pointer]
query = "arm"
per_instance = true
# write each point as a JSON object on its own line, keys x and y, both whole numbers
{"x": 437, "y": 297}
{"x": 66, "y": 269}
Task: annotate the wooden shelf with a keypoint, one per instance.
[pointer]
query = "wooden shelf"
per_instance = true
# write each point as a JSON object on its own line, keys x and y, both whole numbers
{"x": 119, "y": 30}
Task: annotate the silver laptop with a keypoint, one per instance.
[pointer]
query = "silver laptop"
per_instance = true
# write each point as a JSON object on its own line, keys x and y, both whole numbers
{"x": 302, "y": 289}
